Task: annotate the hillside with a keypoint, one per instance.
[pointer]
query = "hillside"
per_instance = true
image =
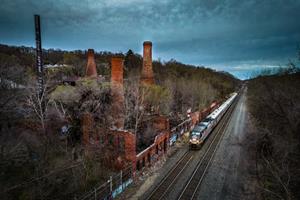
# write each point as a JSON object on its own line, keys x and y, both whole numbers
{"x": 274, "y": 103}
{"x": 191, "y": 86}
{"x": 34, "y": 150}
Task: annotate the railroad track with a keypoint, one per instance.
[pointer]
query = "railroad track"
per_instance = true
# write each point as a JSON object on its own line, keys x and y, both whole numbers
{"x": 191, "y": 188}
{"x": 163, "y": 188}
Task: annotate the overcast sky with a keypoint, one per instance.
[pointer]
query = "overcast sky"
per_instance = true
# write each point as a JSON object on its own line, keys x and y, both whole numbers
{"x": 232, "y": 35}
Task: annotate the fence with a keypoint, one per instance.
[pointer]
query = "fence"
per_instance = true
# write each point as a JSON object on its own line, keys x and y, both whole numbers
{"x": 114, "y": 186}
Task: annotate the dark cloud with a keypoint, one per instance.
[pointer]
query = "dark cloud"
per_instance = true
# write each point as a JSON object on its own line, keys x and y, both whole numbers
{"x": 225, "y": 35}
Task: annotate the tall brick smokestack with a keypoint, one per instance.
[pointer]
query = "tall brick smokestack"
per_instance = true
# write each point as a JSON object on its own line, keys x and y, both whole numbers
{"x": 91, "y": 70}
{"x": 117, "y": 89}
{"x": 147, "y": 71}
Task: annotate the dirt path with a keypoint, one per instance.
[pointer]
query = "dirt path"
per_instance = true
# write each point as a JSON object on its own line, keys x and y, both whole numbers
{"x": 230, "y": 175}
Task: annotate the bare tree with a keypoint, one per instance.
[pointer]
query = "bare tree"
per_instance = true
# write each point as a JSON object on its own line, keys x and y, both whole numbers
{"x": 38, "y": 104}
{"x": 274, "y": 102}
{"x": 134, "y": 104}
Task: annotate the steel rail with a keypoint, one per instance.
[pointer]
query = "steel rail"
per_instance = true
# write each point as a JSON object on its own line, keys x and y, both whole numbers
{"x": 166, "y": 183}
{"x": 161, "y": 189}
{"x": 191, "y": 188}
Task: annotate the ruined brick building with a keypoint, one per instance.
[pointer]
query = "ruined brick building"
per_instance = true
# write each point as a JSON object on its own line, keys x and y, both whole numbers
{"x": 123, "y": 141}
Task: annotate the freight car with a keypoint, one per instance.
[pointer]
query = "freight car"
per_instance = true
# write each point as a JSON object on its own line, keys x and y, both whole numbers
{"x": 202, "y": 130}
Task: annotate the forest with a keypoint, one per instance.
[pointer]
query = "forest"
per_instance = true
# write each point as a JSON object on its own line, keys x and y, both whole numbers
{"x": 35, "y": 150}
{"x": 274, "y": 105}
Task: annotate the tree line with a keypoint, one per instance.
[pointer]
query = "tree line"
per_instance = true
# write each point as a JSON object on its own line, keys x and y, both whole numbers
{"x": 274, "y": 103}
{"x": 31, "y": 137}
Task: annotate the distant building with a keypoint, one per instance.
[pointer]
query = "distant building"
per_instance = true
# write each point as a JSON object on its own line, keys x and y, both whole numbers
{"x": 55, "y": 66}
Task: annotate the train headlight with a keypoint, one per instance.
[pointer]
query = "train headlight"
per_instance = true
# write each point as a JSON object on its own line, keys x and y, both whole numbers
{"x": 194, "y": 141}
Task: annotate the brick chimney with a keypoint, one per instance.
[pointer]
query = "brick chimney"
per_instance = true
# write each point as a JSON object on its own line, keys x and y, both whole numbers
{"x": 91, "y": 70}
{"x": 87, "y": 123}
{"x": 117, "y": 90}
{"x": 147, "y": 71}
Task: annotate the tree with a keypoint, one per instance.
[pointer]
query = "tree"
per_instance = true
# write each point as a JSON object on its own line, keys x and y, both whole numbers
{"x": 274, "y": 102}
{"x": 158, "y": 98}
{"x": 87, "y": 96}
{"x": 134, "y": 104}
{"x": 12, "y": 80}
{"x": 133, "y": 63}
{"x": 38, "y": 104}
{"x": 72, "y": 59}
{"x": 143, "y": 99}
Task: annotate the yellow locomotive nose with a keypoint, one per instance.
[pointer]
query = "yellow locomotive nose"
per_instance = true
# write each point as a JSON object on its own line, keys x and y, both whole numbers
{"x": 195, "y": 141}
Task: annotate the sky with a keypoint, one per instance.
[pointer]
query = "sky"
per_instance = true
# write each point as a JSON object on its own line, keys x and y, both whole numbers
{"x": 237, "y": 36}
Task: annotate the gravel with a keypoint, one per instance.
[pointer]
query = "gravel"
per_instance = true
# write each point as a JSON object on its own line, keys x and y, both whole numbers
{"x": 230, "y": 175}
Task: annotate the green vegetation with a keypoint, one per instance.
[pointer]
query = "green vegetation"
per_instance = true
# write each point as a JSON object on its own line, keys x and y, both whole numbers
{"x": 159, "y": 97}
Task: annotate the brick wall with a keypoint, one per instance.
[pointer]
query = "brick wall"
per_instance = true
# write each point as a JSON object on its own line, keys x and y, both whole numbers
{"x": 147, "y": 71}
{"x": 87, "y": 127}
{"x": 117, "y": 90}
{"x": 195, "y": 117}
{"x": 161, "y": 123}
{"x": 91, "y": 70}
{"x": 126, "y": 144}
{"x": 151, "y": 154}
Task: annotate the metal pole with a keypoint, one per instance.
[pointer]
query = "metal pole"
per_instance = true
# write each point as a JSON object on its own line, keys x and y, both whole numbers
{"x": 121, "y": 180}
{"x": 39, "y": 59}
{"x": 110, "y": 183}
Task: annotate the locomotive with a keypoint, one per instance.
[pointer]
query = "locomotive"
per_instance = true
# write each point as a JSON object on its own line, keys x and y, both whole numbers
{"x": 202, "y": 130}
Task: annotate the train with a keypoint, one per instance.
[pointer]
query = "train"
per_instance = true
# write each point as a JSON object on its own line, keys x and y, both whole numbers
{"x": 202, "y": 130}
